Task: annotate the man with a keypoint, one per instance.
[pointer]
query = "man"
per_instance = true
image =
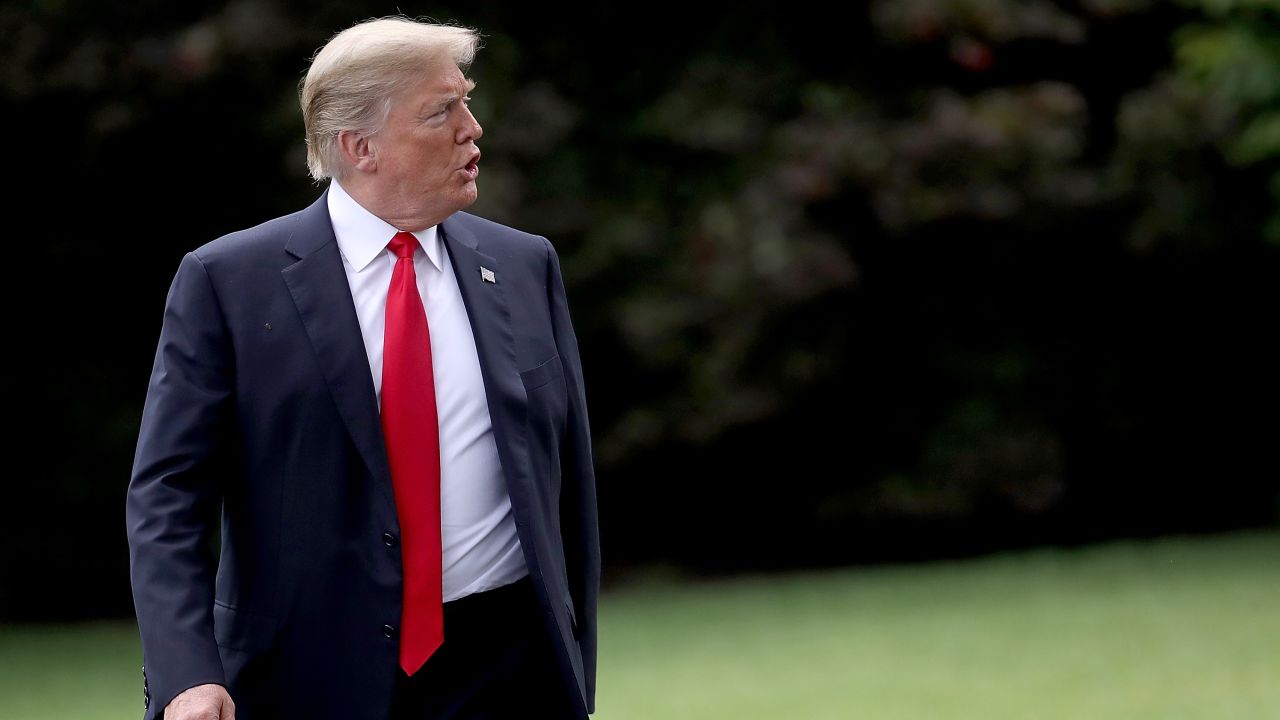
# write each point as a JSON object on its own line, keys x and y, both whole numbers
{"x": 383, "y": 394}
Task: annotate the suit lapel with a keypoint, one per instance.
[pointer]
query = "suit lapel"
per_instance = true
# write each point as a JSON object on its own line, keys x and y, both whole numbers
{"x": 323, "y": 298}
{"x": 490, "y": 317}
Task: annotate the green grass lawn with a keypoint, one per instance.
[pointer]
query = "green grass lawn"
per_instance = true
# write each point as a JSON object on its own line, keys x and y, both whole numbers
{"x": 1173, "y": 628}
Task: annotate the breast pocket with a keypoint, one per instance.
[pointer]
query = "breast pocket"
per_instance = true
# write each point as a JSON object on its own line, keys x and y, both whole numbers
{"x": 545, "y": 373}
{"x": 548, "y": 397}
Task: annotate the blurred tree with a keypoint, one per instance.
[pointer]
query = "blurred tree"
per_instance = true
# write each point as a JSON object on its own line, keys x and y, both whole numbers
{"x": 1232, "y": 58}
{"x": 922, "y": 277}
{"x": 930, "y": 264}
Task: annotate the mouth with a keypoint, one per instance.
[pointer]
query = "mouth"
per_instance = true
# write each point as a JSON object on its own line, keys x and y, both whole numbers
{"x": 472, "y": 168}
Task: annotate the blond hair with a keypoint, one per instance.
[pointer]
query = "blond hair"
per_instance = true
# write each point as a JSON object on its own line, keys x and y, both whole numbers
{"x": 354, "y": 77}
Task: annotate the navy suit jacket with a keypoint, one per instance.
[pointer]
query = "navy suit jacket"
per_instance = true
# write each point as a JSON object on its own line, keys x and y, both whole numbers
{"x": 261, "y": 404}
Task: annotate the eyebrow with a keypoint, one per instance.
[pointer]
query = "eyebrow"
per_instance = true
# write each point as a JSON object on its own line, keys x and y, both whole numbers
{"x": 445, "y": 100}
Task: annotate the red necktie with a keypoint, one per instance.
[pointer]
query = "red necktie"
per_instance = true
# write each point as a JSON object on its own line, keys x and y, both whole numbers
{"x": 412, "y": 434}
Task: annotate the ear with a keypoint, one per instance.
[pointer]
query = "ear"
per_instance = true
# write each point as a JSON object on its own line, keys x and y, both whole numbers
{"x": 358, "y": 153}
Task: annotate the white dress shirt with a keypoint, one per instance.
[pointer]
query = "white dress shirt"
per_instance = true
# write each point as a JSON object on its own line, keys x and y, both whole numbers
{"x": 481, "y": 548}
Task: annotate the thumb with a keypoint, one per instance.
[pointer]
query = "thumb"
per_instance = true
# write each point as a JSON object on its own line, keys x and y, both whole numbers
{"x": 228, "y": 711}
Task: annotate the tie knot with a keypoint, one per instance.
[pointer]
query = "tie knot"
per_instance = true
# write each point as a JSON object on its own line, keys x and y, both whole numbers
{"x": 403, "y": 244}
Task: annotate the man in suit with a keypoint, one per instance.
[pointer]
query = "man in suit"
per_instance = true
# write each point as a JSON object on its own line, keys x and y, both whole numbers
{"x": 383, "y": 395}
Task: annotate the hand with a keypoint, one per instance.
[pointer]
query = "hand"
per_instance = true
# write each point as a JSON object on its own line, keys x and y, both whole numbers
{"x": 202, "y": 702}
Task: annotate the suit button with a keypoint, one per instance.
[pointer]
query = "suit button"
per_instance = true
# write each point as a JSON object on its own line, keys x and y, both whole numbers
{"x": 388, "y": 631}
{"x": 389, "y": 540}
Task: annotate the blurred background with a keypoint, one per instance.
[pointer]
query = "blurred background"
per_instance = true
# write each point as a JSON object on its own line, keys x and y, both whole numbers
{"x": 926, "y": 341}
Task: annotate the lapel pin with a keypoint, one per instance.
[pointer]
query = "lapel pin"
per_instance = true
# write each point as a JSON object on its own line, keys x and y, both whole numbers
{"x": 486, "y": 275}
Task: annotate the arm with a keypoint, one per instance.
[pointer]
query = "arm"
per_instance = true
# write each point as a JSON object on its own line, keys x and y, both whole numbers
{"x": 174, "y": 490}
{"x": 579, "y": 527}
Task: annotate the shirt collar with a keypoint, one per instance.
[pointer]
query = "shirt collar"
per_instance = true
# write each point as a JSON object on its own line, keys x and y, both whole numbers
{"x": 363, "y": 236}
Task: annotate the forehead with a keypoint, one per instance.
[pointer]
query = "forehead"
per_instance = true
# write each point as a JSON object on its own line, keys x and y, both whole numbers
{"x": 443, "y": 81}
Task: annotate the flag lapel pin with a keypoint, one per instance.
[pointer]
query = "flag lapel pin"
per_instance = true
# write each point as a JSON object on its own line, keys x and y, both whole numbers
{"x": 486, "y": 275}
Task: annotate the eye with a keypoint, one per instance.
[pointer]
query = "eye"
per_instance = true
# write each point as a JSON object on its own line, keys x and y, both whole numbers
{"x": 445, "y": 110}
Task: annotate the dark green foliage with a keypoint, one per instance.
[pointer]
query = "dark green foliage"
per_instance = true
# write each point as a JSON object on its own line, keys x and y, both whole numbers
{"x": 930, "y": 277}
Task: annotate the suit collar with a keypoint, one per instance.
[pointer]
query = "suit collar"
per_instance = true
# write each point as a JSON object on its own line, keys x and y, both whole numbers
{"x": 313, "y": 230}
{"x": 455, "y": 228}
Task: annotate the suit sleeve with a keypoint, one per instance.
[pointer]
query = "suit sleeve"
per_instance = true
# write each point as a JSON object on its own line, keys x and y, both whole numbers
{"x": 578, "y": 515}
{"x": 172, "y": 505}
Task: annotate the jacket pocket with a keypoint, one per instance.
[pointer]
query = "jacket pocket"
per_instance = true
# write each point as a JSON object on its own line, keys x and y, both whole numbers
{"x": 544, "y": 373}
{"x": 237, "y": 629}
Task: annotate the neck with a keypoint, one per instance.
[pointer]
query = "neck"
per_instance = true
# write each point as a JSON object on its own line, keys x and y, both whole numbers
{"x": 384, "y": 205}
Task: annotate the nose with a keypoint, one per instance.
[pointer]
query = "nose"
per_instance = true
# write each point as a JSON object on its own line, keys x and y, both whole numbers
{"x": 470, "y": 129}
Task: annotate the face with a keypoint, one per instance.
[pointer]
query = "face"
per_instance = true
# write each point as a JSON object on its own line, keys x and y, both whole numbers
{"x": 426, "y": 155}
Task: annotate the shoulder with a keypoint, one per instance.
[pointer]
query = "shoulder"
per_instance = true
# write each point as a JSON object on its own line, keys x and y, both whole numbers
{"x": 504, "y": 241}
{"x": 493, "y": 231}
{"x": 268, "y": 244}
{"x": 269, "y": 236}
